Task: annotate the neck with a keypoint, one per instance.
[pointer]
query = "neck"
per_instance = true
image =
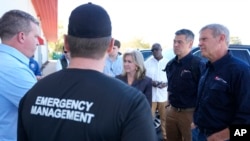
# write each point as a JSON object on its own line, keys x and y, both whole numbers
{"x": 130, "y": 77}
{"x": 86, "y": 63}
{"x": 113, "y": 57}
{"x": 159, "y": 58}
{"x": 218, "y": 55}
{"x": 182, "y": 56}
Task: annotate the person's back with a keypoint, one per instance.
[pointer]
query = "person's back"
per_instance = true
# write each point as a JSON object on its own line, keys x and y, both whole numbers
{"x": 80, "y": 102}
{"x": 90, "y": 112}
{"x": 18, "y": 32}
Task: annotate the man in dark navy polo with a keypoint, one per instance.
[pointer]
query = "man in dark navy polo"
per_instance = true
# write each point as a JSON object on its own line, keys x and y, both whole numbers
{"x": 224, "y": 92}
{"x": 80, "y": 103}
{"x": 183, "y": 74}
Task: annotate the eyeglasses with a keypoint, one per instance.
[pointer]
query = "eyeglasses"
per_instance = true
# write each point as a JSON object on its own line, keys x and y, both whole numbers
{"x": 65, "y": 52}
{"x": 155, "y": 49}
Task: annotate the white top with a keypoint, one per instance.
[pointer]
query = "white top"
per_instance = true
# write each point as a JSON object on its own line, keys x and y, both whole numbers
{"x": 154, "y": 70}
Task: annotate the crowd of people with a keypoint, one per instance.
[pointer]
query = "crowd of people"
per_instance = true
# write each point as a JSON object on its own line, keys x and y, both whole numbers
{"x": 100, "y": 94}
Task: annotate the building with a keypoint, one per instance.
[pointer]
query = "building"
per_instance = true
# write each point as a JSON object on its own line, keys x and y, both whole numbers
{"x": 46, "y": 11}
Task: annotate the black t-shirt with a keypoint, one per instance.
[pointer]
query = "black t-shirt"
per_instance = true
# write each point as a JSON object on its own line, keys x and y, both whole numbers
{"x": 84, "y": 105}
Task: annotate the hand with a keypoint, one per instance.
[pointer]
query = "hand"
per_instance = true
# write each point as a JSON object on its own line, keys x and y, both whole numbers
{"x": 155, "y": 83}
{"x": 162, "y": 85}
{"x": 220, "y": 136}
{"x": 193, "y": 125}
{"x": 39, "y": 77}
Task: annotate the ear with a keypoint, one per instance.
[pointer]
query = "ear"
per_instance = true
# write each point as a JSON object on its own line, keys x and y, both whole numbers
{"x": 191, "y": 44}
{"x": 111, "y": 45}
{"x": 66, "y": 44}
{"x": 21, "y": 37}
{"x": 222, "y": 38}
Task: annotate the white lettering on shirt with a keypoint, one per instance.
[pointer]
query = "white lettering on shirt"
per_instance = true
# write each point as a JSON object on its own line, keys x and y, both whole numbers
{"x": 70, "y": 109}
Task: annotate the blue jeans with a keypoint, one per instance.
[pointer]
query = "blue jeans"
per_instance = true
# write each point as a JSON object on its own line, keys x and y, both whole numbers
{"x": 197, "y": 135}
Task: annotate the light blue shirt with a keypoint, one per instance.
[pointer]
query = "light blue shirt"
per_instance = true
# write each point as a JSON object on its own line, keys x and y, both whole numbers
{"x": 113, "y": 68}
{"x": 16, "y": 78}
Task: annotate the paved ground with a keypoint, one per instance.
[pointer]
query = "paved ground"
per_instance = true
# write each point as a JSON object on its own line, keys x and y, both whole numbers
{"x": 49, "y": 67}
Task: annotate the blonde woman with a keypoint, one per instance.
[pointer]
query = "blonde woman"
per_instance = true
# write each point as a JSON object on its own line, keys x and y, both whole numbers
{"x": 134, "y": 73}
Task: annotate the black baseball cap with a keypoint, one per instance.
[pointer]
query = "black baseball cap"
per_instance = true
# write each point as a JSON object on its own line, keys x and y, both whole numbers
{"x": 89, "y": 21}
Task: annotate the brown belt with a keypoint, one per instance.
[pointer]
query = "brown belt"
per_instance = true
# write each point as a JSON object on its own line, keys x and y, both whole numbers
{"x": 182, "y": 109}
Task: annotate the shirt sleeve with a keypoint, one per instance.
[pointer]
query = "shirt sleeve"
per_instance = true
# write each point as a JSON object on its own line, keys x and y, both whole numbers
{"x": 18, "y": 82}
{"x": 242, "y": 94}
{"x": 148, "y": 91}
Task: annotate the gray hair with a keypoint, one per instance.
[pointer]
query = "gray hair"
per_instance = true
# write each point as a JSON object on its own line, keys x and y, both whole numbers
{"x": 93, "y": 48}
{"x": 218, "y": 29}
{"x": 15, "y": 21}
{"x": 188, "y": 33}
{"x": 138, "y": 59}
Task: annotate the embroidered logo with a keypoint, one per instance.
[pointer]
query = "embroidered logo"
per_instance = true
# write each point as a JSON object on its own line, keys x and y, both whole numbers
{"x": 220, "y": 79}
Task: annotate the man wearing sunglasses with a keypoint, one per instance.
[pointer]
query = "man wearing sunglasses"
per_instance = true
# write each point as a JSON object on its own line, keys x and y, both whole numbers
{"x": 155, "y": 66}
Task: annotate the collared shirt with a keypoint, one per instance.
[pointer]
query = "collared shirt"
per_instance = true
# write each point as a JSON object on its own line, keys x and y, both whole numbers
{"x": 182, "y": 86}
{"x": 34, "y": 66}
{"x": 16, "y": 78}
{"x": 155, "y": 70}
{"x": 223, "y": 95}
{"x": 113, "y": 68}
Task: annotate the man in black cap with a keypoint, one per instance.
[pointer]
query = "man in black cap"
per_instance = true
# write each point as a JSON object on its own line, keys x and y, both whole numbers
{"x": 81, "y": 103}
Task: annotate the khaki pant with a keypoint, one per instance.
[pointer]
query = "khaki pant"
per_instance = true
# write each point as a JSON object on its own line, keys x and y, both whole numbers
{"x": 161, "y": 107}
{"x": 178, "y": 124}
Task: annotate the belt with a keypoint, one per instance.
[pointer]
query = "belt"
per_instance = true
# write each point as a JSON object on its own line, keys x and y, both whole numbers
{"x": 182, "y": 109}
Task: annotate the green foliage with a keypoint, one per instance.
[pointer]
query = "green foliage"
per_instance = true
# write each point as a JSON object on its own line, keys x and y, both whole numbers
{"x": 235, "y": 40}
{"x": 136, "y": 43}
{"x": 55, "y": 48}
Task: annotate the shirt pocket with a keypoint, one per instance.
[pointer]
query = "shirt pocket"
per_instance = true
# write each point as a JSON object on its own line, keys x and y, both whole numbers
{"x": 186, "y": 81}
{"x": 219, "y": 87}
{"x": 186, "y": 74}
{"x": 218, "y": 93}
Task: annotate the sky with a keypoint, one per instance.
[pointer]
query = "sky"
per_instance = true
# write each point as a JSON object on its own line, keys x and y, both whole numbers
{"x": 158, "y": 20}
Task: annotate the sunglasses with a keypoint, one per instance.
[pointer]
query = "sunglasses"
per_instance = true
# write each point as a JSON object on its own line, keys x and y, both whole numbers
{"x": 65, "y": 52}
{"x": 155, "y": 49}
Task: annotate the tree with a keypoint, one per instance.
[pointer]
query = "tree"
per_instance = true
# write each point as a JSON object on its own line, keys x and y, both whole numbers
{"x": 235, "y": 40}
{"x": 137, "y": 43}
{"x": 55, "y": 48}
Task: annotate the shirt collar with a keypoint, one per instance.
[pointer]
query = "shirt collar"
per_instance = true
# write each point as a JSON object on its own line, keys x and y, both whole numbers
{"x": 185, "y": 59}
{"x": 217, "y": 64}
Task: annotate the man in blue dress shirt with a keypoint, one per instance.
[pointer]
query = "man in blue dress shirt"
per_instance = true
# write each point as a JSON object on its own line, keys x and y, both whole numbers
{"x": 114, "y": 62}
{"x": 18, "y": 32}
